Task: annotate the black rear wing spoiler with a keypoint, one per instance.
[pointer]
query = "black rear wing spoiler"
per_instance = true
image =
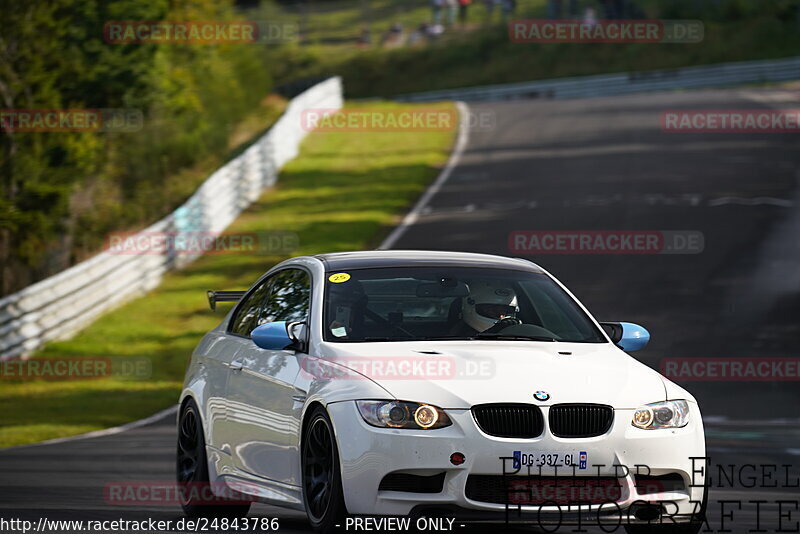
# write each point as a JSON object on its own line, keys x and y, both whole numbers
{"x": 224, "y": 296}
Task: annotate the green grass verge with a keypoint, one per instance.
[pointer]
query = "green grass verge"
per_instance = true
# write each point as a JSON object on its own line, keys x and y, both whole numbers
{"x": 343, "y": 192}
{"x": 735, "y": 31}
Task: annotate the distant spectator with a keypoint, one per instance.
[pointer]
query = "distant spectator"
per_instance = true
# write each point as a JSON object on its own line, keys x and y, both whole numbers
{"x": 437, "y": 11}
{"x": 590, "y": 17}
{"x": 365, "y": 39}
{"x": 489, "y": 5}
{"x": 420, "y": 35}
{"x": 573, "y": 9}
{"x": 435, "y": 30}
{"x": 452, "y": 11}
{"x": 463, "y": 6}
{"x": 509, "y": 7}
{"x": 554, "y": 9}
{"x": 394, "y": 36}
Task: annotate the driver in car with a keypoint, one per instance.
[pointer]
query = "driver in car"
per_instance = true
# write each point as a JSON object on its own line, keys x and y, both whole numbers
{"x": 487, "y": 308}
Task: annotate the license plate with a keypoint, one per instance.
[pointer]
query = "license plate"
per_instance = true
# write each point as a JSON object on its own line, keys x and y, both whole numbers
{"x": 578, "y": 460}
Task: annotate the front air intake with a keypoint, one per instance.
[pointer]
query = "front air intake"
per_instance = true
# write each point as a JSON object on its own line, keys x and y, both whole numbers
{"x": 412, "y": 483}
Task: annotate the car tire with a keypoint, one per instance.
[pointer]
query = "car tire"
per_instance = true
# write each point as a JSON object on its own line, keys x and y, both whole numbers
{"x": 192, "y": 470}
{"x": 322, "y": 477}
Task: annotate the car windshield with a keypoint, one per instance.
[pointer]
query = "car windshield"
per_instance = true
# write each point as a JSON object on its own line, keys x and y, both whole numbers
{"x": 437, "y": 303}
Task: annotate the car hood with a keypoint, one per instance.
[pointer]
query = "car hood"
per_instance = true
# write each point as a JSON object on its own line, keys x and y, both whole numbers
{"x": 460, "y": 374}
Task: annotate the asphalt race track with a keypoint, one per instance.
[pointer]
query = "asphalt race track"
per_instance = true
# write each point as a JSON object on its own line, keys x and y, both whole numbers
{"x": 594, "y": 164}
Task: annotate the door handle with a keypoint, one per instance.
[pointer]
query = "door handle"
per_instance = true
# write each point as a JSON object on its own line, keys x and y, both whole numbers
{"x": 236, "y": 366}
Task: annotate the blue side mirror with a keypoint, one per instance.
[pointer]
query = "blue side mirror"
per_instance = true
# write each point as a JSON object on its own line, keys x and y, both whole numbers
{"x": 627, "y": 336}
{"x": 272, "y": 336}
{"x": 634, "y": 337}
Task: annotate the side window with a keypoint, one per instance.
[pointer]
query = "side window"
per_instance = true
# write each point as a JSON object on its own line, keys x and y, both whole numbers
{"x": 289, "y": 296}
{"x": 250, "y": 310}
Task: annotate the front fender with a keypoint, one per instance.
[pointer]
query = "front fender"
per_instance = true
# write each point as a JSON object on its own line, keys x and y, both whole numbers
{"x": 325, "y": 382}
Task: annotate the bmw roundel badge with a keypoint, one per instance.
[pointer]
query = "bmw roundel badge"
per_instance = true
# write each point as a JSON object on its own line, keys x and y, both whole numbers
{"x": 541, "y": 395}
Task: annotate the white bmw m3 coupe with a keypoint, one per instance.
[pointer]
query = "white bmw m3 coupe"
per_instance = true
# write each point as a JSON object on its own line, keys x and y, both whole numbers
{"x": 424, "y": 384}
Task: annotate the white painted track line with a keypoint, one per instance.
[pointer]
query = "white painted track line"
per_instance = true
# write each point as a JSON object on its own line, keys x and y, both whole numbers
{"x": 412, "y": 216}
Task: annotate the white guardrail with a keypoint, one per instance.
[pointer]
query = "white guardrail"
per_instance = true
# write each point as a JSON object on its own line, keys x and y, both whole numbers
{"x": 720, "y": 75}
{"x": 63, "y": 304}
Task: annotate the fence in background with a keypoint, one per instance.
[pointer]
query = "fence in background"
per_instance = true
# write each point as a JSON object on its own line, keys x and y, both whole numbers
{"x": 63, "y": 304}
{"x": 720, "y": 75}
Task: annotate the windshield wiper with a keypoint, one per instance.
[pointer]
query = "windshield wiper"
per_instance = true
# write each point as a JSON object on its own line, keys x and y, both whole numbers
{"x": 500, "y": 335}
{"x": 417, "y": 338}
{"x": 479, "y": 335}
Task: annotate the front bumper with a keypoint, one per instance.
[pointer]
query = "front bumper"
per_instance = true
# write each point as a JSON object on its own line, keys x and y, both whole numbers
{"x": 367, "y": 454}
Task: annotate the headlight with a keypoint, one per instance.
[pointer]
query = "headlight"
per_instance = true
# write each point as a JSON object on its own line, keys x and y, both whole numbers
{"x": 398, "y": 414}
{"x": 669, "y": 414}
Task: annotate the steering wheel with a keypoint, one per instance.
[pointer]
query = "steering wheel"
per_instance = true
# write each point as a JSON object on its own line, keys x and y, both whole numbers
{"x": 378, "y": 319}
{"x": 502, "y": 324}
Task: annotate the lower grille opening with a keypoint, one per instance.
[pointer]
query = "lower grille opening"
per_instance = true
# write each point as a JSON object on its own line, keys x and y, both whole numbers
{"x": 412, "y": 483}
{"x": 647, "y": 484}
{"x": 535, "y": 490}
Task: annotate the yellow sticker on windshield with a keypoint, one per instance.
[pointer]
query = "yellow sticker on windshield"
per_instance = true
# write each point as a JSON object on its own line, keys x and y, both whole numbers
{"x": 338, "y": 278}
